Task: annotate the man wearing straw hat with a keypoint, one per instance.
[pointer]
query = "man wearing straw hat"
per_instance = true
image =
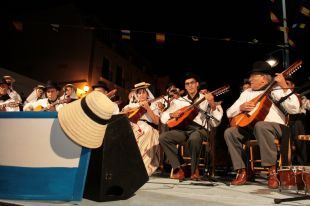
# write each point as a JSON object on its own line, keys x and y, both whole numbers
{"x": 36, "y": 94}
{"x": 69, "y": 93}
{"x": 7, "y": 103}
{"x": 12, "y": 93}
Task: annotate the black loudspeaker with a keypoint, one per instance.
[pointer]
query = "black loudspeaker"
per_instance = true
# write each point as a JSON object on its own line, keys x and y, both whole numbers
{"x": 116, "y": 169}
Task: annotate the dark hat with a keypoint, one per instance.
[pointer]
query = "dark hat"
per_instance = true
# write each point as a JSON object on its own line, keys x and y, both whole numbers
{"x": 190, "y": 76}
{"x": 3, "y": 81}
{"x": 101, "y": 84}
{"x": 261, "y": 67}
{"x": 51, "y": 84}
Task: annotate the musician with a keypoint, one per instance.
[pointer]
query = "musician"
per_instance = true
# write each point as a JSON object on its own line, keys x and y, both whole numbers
{"x": 7, "y": 103}
{"x": 102, "y": 87}
{"x": 264, "y": 131}
{"x": 50, "y": 103}
{"x": 69, "y": 93}
{"x": 194, "y": 132}
{"x": 144, "y": 131}
{"x": 297, "y": 124}
{"x": 164, "y": 103}
{"x": 12, "y": 93}
{"x": 38, "y": 93}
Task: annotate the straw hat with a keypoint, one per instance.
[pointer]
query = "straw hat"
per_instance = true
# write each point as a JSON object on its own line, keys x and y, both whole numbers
{"x": 40, "y": 86}
{"x": 9, "y": 79}
{"x": 85, "y": 120}
{"x": 141, "y": 85}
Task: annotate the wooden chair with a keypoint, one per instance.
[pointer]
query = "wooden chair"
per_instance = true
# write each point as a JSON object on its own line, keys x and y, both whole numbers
{"x": 303, "y": 137}
{"x": 202, "y": 159}
{"x": 255, "y": 163}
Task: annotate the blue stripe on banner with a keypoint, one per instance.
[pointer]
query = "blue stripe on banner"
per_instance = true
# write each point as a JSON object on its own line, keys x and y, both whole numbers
{"x": 28, "y": 114}
{"x": 44, "y": 183}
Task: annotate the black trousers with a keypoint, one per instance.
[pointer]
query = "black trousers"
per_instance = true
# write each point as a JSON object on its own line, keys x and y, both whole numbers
{"x": 192, "y": 134}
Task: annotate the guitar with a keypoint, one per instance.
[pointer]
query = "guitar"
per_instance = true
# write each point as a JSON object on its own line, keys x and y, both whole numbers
{"x": 262, "y": 102}
{"x": 9, "y": 106}
{"x": 135, "y": 114}
{"x": 188, "y": 113}
{"x": 111, "y": 93}
{"x": 41, "y": 108}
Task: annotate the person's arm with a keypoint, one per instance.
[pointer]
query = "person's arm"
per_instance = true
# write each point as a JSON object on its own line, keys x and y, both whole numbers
{"x": 152, "y": 115}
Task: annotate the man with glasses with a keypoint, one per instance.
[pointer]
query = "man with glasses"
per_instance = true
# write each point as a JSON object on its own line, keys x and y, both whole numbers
{"x": 192, "y": 133}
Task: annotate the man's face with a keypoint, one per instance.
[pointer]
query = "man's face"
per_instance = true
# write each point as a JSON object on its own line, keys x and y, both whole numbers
{"x": 142, "y": 94}
{"x": 257, "y": 81}
{"x": 191, "y": 86}
{"x": 3, "y": 89}
{"x": 68, "y": 91}
{"x": 39, "y": 92}
{"x": 52, "y": 94}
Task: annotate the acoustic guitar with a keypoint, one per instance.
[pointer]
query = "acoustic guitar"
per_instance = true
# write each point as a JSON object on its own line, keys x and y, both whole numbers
{"x": 41, "y": 108}
{"x": 135, "y": 114}
{"x": 262, "y": 102}
{"x": 9, "y": 106}
{"x": 188, "y": 113}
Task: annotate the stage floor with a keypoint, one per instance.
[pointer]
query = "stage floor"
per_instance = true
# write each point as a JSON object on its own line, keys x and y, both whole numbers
{"x": 167, "y": 192}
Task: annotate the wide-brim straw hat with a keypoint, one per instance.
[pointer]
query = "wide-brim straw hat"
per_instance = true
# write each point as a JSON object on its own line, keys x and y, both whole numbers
{"x": 40, "y": 86}
{"x": 85, "y": 120}
{"x": 141, "y": 85}
{"x": 9, "y": 78}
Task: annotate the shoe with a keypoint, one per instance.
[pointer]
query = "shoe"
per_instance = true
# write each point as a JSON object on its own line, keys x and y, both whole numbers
{"x": 241, "y": 177}
{"x": 273, "y": 181}
{"x": 179, "y": 175}
{"x": 195, "y": 176}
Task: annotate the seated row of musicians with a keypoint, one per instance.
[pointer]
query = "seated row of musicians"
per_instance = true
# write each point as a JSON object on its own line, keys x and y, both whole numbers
{"x": 272, "y": 126}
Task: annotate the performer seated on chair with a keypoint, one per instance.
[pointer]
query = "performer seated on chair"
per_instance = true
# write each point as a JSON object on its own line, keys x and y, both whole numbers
{"x": 298, "y": 126}
{"x": 143, "y": 126}
{"x": 69, "y": 93}
{"x": 7, "y": 103}
{"x": 36, "y": 94}
{"x": 193, "y": 132}
{"x": 273, "y": 124}
{"x": 51, "y": 103}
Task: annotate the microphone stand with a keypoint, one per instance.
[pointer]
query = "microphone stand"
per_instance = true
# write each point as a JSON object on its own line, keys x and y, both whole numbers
{"x": 207, "y": 176}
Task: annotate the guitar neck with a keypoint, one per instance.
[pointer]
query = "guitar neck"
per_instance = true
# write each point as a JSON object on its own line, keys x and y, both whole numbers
{"x": 289, "y": 71}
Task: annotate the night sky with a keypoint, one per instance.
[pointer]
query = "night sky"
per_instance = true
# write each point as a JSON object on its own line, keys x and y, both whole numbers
{"x": 247, "y": 25}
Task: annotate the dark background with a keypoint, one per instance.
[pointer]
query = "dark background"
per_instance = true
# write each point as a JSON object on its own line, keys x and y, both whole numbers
{"x": 252, "y": 37}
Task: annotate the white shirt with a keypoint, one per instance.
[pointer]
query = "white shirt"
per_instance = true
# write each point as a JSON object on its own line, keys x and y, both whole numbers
{"x": 145, "y": 116}
{"x": 41, "y": 102}
{"x": 201, "y": 117}
{"x": 291, "y": 104}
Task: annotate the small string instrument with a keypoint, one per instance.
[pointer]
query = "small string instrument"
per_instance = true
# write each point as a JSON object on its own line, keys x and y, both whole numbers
{"x": 135, "y": 114}
{"x": 262, "y": 102}
{"x": 41, "y": 108}
{"x": 9, "y": 106}
{"x": 188, "y": 113}
{"x": 111, "y": 93}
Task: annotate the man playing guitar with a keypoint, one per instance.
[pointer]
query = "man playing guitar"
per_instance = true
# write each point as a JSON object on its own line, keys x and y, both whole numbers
{"x": 7, "y": 103}
{"x": 192, "y": 133}
{"x": 51, "y": 103}
{"x": 264, "y": 131}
